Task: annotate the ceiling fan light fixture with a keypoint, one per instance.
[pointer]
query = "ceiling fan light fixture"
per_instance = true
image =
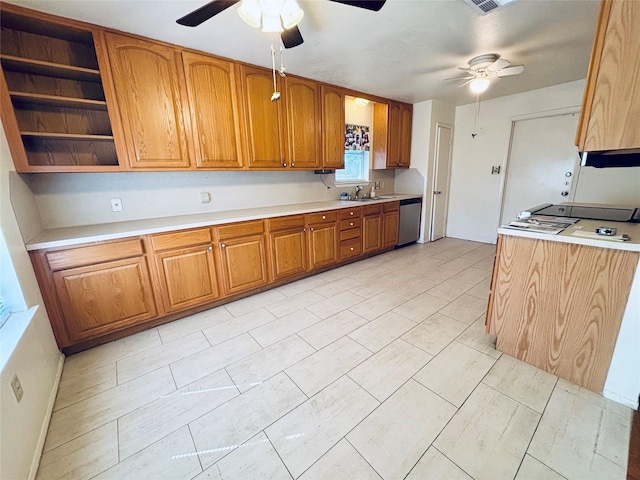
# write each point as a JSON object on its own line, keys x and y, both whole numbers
{"x": 291, "y": 13}
{"x": 479, "y": 85}
{"x": 271, "y": 23}
{"x": 250, "y": 12}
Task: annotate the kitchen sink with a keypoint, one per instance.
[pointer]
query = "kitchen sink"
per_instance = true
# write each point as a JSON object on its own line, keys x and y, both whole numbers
{"x": 369, "y": 199}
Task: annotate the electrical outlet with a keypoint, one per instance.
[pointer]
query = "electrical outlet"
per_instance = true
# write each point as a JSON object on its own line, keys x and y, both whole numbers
{"x": 495, "y": 170}
{"x": 377, "y": 185}
{"x": 205, "y": 197}
{"x": 116, "y": 204}
{"x": 17, "y": 387}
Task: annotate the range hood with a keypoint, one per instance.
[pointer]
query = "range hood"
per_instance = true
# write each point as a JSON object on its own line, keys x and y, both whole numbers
{"x": 611, "y": 158}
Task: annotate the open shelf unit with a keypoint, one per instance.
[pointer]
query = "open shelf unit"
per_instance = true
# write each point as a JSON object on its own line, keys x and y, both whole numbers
{"x": 52, "y": 78}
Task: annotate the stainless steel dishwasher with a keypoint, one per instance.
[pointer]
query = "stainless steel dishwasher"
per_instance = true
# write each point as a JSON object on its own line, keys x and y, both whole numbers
{"x": 409, "y": 221}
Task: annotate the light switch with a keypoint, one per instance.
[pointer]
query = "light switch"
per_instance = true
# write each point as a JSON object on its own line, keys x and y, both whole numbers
{"x": 495, "y": 170}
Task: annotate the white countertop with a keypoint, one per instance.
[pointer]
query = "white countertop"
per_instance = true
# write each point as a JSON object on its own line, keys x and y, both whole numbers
{"x": 568, "y": 235}
{"x": 63, "y": 237}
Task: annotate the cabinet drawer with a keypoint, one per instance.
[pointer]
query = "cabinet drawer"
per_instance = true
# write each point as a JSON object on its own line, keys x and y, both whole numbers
{"x": 286, "y": 223}
{"x": 240, "y": 229}
{"x": 91, "y": 254}
{"x": 350, "y": 223}
{"x": 372, "y": 209}
{"x": 350, "y": 213}
{"x": 351, "y": 233}
{"x": 322, "y": 217}
{"x": 350, "y": 248}
{"x": 166, "y": 241}
{"x": 391, "y": 206}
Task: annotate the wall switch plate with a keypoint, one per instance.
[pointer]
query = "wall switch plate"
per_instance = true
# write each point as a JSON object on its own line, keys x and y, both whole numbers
{"x": 205, "y": 197}
{"x": 377, "y": 185}
{"x": 495, "y": 170}
{"x": 17, "y": 387}
{"x": 116, "y": 204}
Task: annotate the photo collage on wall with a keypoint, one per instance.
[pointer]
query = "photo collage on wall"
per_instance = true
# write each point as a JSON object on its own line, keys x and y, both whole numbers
{"x": 356, "y": 137}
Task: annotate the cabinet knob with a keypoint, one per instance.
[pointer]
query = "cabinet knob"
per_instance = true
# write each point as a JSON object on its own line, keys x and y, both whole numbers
{"x": 352, "y": 249}
{"x": 210, "y": 247}
{"x": 351, "y": 224}
{"x": 350, "y": 213}
{"x": 304, "y": 229}
{"x": 293, "y": 164}
{"x": 311, "y": 229}
{"x": 401, "y": 164}
{"x": 324, "y": 217}
{"x": 222, "y": 245}
{"x": 284, "y": 165}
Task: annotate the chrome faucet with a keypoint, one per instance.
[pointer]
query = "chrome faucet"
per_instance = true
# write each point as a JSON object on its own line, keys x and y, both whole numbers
{"x": 358, "y": 190}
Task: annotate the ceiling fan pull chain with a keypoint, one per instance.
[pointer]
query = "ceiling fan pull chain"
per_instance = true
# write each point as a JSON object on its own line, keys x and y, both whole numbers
{"x": 282, "y": 67}
{"x": 276, "y": 94}
{"x": 475, "y": 118}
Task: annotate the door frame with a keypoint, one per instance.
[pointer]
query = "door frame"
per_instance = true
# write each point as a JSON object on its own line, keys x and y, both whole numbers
{"x": 574, "y": 110}
{"x": 432, "y": 184}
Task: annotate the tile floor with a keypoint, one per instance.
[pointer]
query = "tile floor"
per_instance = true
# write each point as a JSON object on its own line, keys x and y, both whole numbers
{"x": 378, "y": 369}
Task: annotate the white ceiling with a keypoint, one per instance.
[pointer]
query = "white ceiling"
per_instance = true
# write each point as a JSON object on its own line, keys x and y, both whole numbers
{"x": 403, "y": 52}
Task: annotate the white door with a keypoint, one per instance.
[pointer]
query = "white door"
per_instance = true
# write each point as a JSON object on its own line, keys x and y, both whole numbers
{"x": 542, "y": 164}
{"x": 441, "y": 174}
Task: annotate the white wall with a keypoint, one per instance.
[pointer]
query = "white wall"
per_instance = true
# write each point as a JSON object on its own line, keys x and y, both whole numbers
{"x": 36, "y": 357}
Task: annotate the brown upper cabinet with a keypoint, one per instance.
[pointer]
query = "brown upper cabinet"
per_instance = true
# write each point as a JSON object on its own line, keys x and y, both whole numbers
{"x": 215, "y": 109}
{"x": 392, "y": 135}
{"x": 333, "y": 129}
{"x": 303, "y": 123}
{"x": 611, "y": 104}
{"x": 149, "y": 89}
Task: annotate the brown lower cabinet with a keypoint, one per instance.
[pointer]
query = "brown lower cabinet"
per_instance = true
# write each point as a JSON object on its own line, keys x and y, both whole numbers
{"x": 105, "y": 290}
{"x": 390, "y": 223}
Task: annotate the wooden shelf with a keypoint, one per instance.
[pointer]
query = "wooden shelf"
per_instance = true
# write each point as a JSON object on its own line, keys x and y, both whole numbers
{"x": 69, "y": 136}
{"x": 58, "y": 101}
{"x": 49, "y": 69}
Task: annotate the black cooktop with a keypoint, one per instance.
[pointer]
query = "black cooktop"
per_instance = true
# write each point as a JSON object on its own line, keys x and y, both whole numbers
{"x": 611, "y": 214}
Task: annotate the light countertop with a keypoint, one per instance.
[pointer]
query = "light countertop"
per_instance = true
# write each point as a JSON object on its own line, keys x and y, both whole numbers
{"x": 63, "y": 237}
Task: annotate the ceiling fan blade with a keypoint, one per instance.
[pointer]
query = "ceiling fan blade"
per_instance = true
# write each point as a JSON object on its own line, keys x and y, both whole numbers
{"x": 515, "y": 70}
{"x": 465, "y": 83}
{"x": 460, "y": 78}
{"x": 498, "y": 65}
{"x": 291, "y": 37}
{"x": 205, "y": 12}
{"x": 374, "y": 5}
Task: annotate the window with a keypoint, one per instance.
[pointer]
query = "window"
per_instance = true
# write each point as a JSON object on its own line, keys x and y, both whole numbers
{"x": 356, "y": 167}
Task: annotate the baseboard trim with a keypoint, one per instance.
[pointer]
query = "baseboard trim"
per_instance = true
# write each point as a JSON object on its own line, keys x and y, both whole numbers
{"x": 35, "y": 463}
{"x": 616, "y": 397}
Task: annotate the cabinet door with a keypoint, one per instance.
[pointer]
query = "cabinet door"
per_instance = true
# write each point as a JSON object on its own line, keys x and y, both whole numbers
{"x": 100, "y": 299}
{"x": 390, "y": 228}
{"x": 371, "y": 233}
{"x": 611, "y": 104}
{"x": 215, "y": 113}
{"x": 332, "y": 127}
{"x": 323, "y": 244}
{"x": 303, "y": 123}
{"x": 395, "y": 125}
{"x": 288, "y": 252}
{"x": 244, "y": 264}
{"x": 188, "y": 277}
{"x": 404, "y": 138}
{"x": 264, "y": 124}
{"x": 150, "y": 99}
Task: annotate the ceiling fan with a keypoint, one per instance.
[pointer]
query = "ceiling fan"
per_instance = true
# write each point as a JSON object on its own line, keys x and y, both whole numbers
{"x": 484, "y": 68}
{"x": 291, "y": 37}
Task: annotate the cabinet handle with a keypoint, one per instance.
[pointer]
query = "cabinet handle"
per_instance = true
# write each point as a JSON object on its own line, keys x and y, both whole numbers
{"x": 324, "y": 217}
{"x": 401, "y": 164}
{"x": 222, "y": 245}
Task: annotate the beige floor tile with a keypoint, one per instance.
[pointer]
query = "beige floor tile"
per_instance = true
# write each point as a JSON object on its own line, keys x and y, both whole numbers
{"x": 341, "y": 462}
{"x": 403, "y": 275}
{"x": 450, "y": 289}
{"x": 82, "y": 417}
{"x": 309, "y": 431}
{"x": 579, "y": 439}
{"x": 471, "y": 275}
{"x": 110, "y": 352}
{"x": 254, "y": 302}
{"x": 412, "y": 289}
{"x": 332, "y": 305}
{"x": 222, "y": 430}
{"x": 435, "y": 465}
{"x": 522, "y": 382}
{"x": 465, "y": 308}
{"x": 76, "y": 388}
{"x": 255, "y": 459}
{"x": 482, "y": 289}
{"x": 237, "y": 326}
{"x": 456, "y": 265}
{"x": 172, "y": 457}
{"x": 83, "y": 457}
{"x": 387, "y": 370}
{"x": 485, "y": 264}
{"x": 481, "y": 252}
{"x": 148, "y": 424}
{"x": 374, "y": 307}
{"x": 374, "y": 287}
{"x": 327, "y": 365}
{"x": 283, "y": 327}
{"x": 154, "y": 358}
{"x": 264, "y": 364}
{"x": 594, "y": 398}
{"x": 214, "y": 358}
{"x": 394, "y": 437}
{"x": 337, "y": 286}
{"x": 489, "y": 435}
{"x": 455, "y": 372}
{"x": 292, "y": 304}
{"x": 476, "y": 337}
{"x": 435, "y": 333}
{"x": 338, "y": 273}
{"x": 380, "y": 332}
{"x": 199, "y": 321}
{"x": 299, "y": 286}
{"x": 421, "y": 307}
{"x": 323, "y": 333}
{"x": 532, "y": 469}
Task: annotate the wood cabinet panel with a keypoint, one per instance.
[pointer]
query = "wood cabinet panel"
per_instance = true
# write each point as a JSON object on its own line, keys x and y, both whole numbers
{"x": 323, "y": 239}
{"x": 147, "y": 81}
{"x": 322, "y": 217}
{"x": 350, "y": 223}
{"x": 350, "y": 213}
{"x": 333, "y": 127}
{"x": 303, "y": 123}
{"x": 92, "y": 254}
{"x": 390, "y": 225}
{"x": 372, "y": 233}
{"x": 99, "y": 299}
{"x": 240, "y": 229}
{"x": 214, "y": 106}
{"x": 165, "y": 241}
{"x": 559, "y": 306}
{"x": 288, "y": 252}
{"x": 350, "y": 248}
{"x": 392, "y": 125}
{"x": 404, "y": 142}
{"x": 244, "y": 264}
